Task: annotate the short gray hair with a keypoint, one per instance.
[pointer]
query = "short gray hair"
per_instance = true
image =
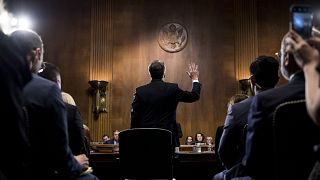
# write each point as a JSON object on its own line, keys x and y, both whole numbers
{"x": 27, "y": 40}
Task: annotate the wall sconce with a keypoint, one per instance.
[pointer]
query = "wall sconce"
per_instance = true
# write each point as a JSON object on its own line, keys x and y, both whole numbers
{"x": 99, "y": 101}
{"x": 245, "y": 87}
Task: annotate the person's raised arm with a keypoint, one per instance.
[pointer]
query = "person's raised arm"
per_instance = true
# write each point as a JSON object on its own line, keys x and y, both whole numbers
{"x": 306, "y": 54}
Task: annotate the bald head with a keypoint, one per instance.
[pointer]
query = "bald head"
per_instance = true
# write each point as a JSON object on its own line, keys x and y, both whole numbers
{"x": 30, "y": 44}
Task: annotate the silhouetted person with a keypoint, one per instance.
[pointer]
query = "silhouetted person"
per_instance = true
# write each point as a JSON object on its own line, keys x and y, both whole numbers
{"x": 51, "y": 155}
{"x": 154, "y": 104}
{"x": 14, "y": 75}
{"x": 263, "y": 76}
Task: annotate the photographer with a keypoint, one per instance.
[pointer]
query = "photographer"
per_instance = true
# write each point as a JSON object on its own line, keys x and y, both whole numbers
{"x": 306, "y": 53}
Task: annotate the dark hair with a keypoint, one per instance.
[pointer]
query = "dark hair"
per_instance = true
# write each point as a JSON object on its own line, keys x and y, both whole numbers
{"x": 237, "y": 98}
{"x": 203, "y": 138}
{"x": 266, "y": 71}
{"x": 156, "y": 69}
{"x": 50, "y": 72}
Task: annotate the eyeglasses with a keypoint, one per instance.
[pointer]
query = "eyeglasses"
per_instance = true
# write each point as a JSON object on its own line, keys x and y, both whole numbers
{"x": 43, "y": 66}
{"x": 278, "y": 55}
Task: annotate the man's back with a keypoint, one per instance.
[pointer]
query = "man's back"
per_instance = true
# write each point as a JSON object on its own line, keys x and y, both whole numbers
{"x": 231, "y": 148}
{"x": 259, "y": 154}
{"x": 75, "y": 130}
{"x": 48, "y": 129}
{"x": 158, "y": 101}
{"x": 154, "y": 104}
{"x": 14, "y": 74}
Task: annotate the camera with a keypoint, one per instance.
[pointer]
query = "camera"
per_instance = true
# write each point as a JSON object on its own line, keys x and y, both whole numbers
{"x": 301, "y": 20}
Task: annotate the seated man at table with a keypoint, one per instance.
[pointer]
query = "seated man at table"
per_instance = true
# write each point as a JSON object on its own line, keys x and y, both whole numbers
{"x": 115, "y": 139}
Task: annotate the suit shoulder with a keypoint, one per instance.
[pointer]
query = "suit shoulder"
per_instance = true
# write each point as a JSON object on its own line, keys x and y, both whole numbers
{"x": 171, "y": 84}
{"x": 40, "y": 85}
{"x": 140, "y": 88}
{"x": 244, "y": 103}
{"x": 71, "y": 107}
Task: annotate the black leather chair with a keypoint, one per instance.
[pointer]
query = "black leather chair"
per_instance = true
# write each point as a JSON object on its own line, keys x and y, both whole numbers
{"x": 145, "y": 153}
{"x": 294, "y": 137}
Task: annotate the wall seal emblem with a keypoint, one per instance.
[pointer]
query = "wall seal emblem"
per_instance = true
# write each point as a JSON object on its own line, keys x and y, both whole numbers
{"x": 172, "y": 37}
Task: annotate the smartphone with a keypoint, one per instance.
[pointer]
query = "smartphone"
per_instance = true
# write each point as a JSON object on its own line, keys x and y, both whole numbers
{"x": 301, "y": 20}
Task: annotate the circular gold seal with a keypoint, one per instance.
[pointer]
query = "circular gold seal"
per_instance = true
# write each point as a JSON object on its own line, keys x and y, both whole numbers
{"x": 172, "y": 37}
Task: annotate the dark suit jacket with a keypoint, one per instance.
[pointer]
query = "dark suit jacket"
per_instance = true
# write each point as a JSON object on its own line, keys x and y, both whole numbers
{"x": 217, "y": 139}
{"x": 75, "y": 130}
{"x": 231, "y": 148}
{"x": 14, "y": 75}
{"x": 110, "y": 141}
{"x": 258, "y": 160}
{"x": 48, "y": 130}
{"x": 154, "y": 105}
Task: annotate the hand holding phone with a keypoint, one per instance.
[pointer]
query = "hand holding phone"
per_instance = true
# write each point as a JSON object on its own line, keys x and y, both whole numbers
{"x": 301, "y": 20}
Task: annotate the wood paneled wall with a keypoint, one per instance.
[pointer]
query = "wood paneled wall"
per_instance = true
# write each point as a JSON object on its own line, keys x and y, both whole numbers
{"x": 245, "y": 32}
{"x": 101, "y": 58}
{"x": 115, "y": 40}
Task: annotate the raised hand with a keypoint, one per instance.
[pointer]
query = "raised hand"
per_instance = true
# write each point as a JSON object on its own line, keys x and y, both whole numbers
{"x": 193, "y": 72}
{"x": 303, "y": 51}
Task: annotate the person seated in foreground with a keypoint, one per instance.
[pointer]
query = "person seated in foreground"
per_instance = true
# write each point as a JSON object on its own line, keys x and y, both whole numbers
{"x": 263, "y": 76}
{"x": 258, "y": 158}
{"x": 50, "y": 152}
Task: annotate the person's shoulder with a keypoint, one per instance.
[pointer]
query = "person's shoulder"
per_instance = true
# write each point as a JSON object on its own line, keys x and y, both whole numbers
{"x": 109, "y": 142}
{"x": 170, "y": 84}
{"x": 243, "y": 104}
{"x": 277, "y": 93}
{"x": 141, "y": 88}
{"x": 71, "y": 107}
{"x": 40, "y": 81}
{"x": 40, "y": 85}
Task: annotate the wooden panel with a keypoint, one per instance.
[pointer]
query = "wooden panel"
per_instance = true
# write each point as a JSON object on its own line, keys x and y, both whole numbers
{"x": 245, "y": 32}
{"x": 65, "y": 30}
{"x": 273, "y": 23}
{"x": 101, "y": 60}
{"x": 210, "y": 44}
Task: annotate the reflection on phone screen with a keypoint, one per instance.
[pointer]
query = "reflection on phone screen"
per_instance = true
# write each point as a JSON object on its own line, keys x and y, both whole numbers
{"x": 302, "y": 23}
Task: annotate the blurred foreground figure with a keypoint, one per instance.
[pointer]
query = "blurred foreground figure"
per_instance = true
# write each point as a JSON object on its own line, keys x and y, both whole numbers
{"x": 14, "y": 75}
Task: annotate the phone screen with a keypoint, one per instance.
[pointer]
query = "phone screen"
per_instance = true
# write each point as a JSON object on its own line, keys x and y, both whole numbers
{"x": 302, "y": 21}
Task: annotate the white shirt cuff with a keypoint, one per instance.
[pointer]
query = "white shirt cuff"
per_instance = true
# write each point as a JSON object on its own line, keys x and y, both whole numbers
{"x": 195, "y": 81}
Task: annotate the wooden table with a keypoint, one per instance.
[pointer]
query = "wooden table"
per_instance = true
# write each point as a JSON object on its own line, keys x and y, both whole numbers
{"x": 186, "y": 165}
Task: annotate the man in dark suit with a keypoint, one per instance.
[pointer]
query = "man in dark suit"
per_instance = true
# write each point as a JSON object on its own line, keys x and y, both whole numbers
{"x": 154, "y": 104}
{"x": 258, "y": 160}
{"x": 75, "y": 124}
{"x": 115, "y": 139}
{"x": 264, "y": 76}
{"x": 51, "y": 155}
{"x": 14, "y": 75}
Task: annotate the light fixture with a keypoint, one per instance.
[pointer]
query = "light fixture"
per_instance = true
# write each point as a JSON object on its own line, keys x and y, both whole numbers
{"x": 99, "y": 101}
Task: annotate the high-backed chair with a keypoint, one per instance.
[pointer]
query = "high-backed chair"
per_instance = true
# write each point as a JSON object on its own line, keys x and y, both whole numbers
{"x": 294, "y": 137}
{"x": 145, "y": 153}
